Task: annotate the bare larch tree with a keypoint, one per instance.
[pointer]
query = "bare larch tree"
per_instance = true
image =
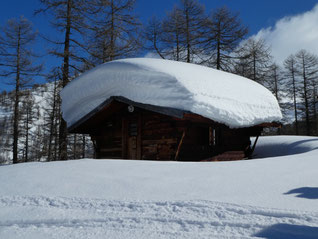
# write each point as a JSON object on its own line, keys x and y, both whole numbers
{"x": 113, "y": 30}
{"x": 292, "y": 85}
{"x": 68, "y": 19}
{"x": 224, "y": 33}
{"x": 307, "y": 65}
{"x": 16, "y": 60}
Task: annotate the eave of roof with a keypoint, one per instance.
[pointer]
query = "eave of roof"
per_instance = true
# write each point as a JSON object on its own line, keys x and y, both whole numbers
{"x": 177, "y": 113}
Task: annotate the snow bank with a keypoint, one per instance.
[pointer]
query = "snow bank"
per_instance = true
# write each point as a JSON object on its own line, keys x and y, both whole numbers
{"x": 274, "y": 197}
{"x": 242, "y": 182}
{"x": 220, "y": 96}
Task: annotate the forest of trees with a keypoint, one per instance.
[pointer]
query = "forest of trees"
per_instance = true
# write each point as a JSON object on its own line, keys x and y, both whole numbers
{"x": 91, "y": 32}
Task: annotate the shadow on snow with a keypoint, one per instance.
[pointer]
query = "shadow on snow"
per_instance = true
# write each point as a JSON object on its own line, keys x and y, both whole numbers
{"x": 305, "y": 192}
{"x": 279, "y": 231}
{"x": 275, "y": 149}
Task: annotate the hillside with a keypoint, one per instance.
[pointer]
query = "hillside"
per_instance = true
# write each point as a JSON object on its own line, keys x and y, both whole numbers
{"x": 36, "y": 125}
{"x": 274, "y": 196}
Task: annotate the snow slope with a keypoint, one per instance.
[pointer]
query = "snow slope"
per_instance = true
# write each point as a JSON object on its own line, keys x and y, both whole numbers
{"x": 220, "y": 96}
{"x": 275, "y": 196}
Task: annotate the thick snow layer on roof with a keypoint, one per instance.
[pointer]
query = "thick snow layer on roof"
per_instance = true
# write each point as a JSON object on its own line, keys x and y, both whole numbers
{"x": 220, "y": 96}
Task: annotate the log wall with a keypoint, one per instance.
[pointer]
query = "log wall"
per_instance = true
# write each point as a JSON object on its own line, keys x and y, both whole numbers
{"x": 152, "y": 136}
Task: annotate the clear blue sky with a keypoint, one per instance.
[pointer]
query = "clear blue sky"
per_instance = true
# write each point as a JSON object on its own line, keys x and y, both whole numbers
{"x": 256, "y": 14}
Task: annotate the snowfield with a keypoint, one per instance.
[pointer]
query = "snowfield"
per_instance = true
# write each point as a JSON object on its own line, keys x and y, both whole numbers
{"x": 273, "y": 196}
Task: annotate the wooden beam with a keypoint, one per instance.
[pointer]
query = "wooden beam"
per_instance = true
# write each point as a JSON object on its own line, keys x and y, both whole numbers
{"x": 160, "y": 141}
{"x": 272, "y": 124}
{"x": 180, "y": 144}
{"x": 139, "y": 145}
{"x": 197, "y": 118}
{"x": 124, "y": 134}
{"x": 254, "y": 145}
{"x": 107, "y": 150}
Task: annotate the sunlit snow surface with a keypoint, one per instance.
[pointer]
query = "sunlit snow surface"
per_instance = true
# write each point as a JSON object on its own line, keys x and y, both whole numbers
{"x": 220, "y": 96}
{"x": 271, "y": 197}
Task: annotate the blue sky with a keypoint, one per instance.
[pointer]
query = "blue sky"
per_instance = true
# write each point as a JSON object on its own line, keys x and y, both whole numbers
{"x": 256, "y": 14}
{"x": 261, "y": 16}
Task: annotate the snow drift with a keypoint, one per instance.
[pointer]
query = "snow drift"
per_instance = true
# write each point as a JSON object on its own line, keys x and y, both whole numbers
{"x": 223, "y": 97}
{"x": 273, "y": 197}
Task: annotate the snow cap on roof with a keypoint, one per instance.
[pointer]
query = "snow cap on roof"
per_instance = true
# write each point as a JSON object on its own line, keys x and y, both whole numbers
{"x": 220, "y": 96}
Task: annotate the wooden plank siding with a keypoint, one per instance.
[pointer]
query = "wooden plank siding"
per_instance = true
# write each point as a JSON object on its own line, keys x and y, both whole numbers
{"x": 147, "y": 135}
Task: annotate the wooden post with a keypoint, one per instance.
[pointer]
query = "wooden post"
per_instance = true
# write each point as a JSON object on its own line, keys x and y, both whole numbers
{"x": 139, "y": 132}
{"x": 254, "y": 145}
{"x": 180, "y": 144}
{"x": 124, "y": 134}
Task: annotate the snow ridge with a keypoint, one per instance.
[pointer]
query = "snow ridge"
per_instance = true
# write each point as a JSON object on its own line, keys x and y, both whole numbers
{"x": 61, "y": 217}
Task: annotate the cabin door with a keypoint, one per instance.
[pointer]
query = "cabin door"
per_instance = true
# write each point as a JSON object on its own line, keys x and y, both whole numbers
{"x": 133, "y": 139}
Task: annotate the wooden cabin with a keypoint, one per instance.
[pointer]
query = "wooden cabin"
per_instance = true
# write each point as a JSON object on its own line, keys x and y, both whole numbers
{"x": 122, "y": 128}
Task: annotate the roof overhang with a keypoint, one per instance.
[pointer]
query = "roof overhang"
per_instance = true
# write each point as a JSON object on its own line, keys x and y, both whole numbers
{"x": 116, "y": 103}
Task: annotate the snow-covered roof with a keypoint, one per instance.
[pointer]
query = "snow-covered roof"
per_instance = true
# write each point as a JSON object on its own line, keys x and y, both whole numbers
{"x": 220, "y": 96}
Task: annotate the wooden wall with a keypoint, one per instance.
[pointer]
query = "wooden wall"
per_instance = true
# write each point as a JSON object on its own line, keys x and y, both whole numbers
{"x": 152, "y": 136}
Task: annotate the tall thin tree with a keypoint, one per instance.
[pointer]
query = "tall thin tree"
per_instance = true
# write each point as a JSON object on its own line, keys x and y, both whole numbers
{"x": 193, "y": 18}
{"x": 113, "y": 29}
{"x": 292, "y": 85}
{"x": 69, "y": 19}
{"x": 308, "y": 70}
{"x": 224, "y": 33}
{"x": 255, "y": 56}
{"x": 16, "y": 59}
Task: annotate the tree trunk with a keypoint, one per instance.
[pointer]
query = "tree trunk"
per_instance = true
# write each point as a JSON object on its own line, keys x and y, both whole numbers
{"x": 314, "y": 109}
{"x": 218, "y": 52}
{"x": 112, "y": 33}
{"x": 306, "y": 99}
{"x": 188, "y": 35}
{"x": 26, "y": 159}
{"x": 65, "y": 79}
{"x": 16, "y": 105}
{"x": 52, "y": 119}
{"x": 75, "y": 147}
{"x": 295, "y": 103}
{"x": 83, "y": 146}
{"x": 254, "y": 67}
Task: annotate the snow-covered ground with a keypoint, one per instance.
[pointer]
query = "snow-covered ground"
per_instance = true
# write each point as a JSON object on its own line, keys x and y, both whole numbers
{"x": 273, "y": 196}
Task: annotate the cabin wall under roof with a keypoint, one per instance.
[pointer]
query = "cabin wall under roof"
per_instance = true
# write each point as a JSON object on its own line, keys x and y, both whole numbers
{"x": 147, "y": 135}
